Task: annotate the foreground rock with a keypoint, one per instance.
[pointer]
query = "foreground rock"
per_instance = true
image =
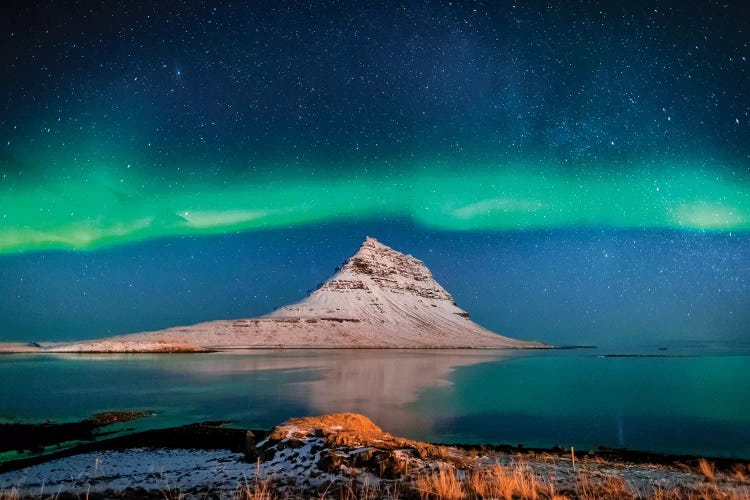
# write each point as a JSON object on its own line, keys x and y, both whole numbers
{"x": 380, "y": 298}
{"x": 333, "y": 444}
{"x": 348, "y": 456}
{"x": 348, "y": 450}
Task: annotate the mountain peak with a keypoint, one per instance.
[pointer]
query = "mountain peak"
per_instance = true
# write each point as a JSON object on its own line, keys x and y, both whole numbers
{"x": 376, "y": 264}
{"x": 379, "y": 298}
{"x": 371, "y": 246}
{"x": 390, "y": 299}
{"x": 371, "y": 243}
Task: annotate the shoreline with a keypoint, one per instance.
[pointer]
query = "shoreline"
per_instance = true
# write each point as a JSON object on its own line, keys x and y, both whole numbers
{"x": 345, "y": 448}
{"x": 220, "y": 435}
{"x": 49, "y": 348}
{"x": 191, "y": 349}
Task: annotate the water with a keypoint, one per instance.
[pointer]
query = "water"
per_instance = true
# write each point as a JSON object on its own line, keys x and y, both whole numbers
{"x": 696, "y": 402}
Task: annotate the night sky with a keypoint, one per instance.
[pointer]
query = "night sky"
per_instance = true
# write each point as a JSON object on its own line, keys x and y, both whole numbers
{"x": 577, "y": 172}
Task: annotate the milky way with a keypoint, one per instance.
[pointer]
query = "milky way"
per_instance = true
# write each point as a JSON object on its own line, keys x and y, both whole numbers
{"x": 124, "y": 128}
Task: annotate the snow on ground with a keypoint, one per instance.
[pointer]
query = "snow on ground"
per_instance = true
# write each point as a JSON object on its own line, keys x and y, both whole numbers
{"x": 318, "y": 454}
{"x": 158, "y": 469}
{"x": 152, "y": 469}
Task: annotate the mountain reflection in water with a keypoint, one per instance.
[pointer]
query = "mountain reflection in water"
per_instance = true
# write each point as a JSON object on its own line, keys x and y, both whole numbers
{"x": 378, "y": 383}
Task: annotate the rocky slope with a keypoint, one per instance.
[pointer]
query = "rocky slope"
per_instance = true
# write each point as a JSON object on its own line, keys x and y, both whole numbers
{"x": 380, "y": 298}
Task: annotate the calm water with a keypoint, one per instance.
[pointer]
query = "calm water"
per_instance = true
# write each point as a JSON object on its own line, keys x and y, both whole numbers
{"x": 692, "y": 403}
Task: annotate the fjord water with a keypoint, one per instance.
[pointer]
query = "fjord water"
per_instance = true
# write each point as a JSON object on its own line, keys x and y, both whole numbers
{"x": 692, "y": 401}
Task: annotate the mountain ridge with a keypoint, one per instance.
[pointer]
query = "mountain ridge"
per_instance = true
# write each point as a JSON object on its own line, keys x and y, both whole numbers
{"x": 378, "y": 298}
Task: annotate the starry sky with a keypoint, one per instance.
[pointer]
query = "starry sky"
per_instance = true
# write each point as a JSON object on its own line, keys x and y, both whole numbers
{"x": 573, "y": 172}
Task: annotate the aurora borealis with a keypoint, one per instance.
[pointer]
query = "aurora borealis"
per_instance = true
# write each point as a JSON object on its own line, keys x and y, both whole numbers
{"x": 569, "y": 129}
{"x": 88, "y": 213}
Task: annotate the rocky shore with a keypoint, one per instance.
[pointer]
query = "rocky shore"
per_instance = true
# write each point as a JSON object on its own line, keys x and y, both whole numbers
{"x": 102, "y": 347}
{"x": 21, "y": 437}
{"x": 348, "y": 456}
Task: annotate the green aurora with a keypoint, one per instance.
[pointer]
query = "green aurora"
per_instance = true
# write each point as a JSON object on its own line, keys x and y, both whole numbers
{"x": 112, "y": 207}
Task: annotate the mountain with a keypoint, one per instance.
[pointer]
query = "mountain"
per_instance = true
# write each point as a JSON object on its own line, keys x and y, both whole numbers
{"x": 379, "y": 298}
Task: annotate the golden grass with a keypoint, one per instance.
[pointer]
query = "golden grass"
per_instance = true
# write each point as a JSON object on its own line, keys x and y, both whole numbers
{"x": 345, "y": 493}
{"x": 257, "y": 490}
{"x": 393, "y": 491}
{"x": 708, "y": 469}
{"x": 444, "y": 486}
{"x": 11, "y": 494}
{"x": 514, "y": 482}
{"x": 519, "y": 482}
{"x": 504, "y": 482}
{"x": 706, "y": 492}
{"x": 740, "y": 471}
{"x": 607, "y": 488}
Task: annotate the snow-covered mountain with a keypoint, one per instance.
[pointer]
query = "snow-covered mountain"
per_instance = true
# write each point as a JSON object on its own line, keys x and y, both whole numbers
{"x": 380, "y": 298}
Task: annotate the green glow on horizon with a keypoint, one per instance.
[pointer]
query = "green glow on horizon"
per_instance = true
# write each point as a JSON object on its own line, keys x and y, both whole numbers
{"x": 106, "y": 210}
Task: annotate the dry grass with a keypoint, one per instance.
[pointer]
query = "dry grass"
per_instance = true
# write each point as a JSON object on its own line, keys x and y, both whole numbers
{"x": 11, "y": 494}
{"x": 514, "y": 482}
{"x": 740, "y": 471}
{"x": 393, "y": 491}
{"x": 345, "y": 493}
{"x": 497, "y": 482}
{"x": 257, "y": 490}
{"x": 707, "y": 492}
{"x": 444, "y": 485}
{"x": 607, "y": 488}
{"x": 504, "y": 483}
{"x": 520, "y": 483}
{"x": 708, "y": 469}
